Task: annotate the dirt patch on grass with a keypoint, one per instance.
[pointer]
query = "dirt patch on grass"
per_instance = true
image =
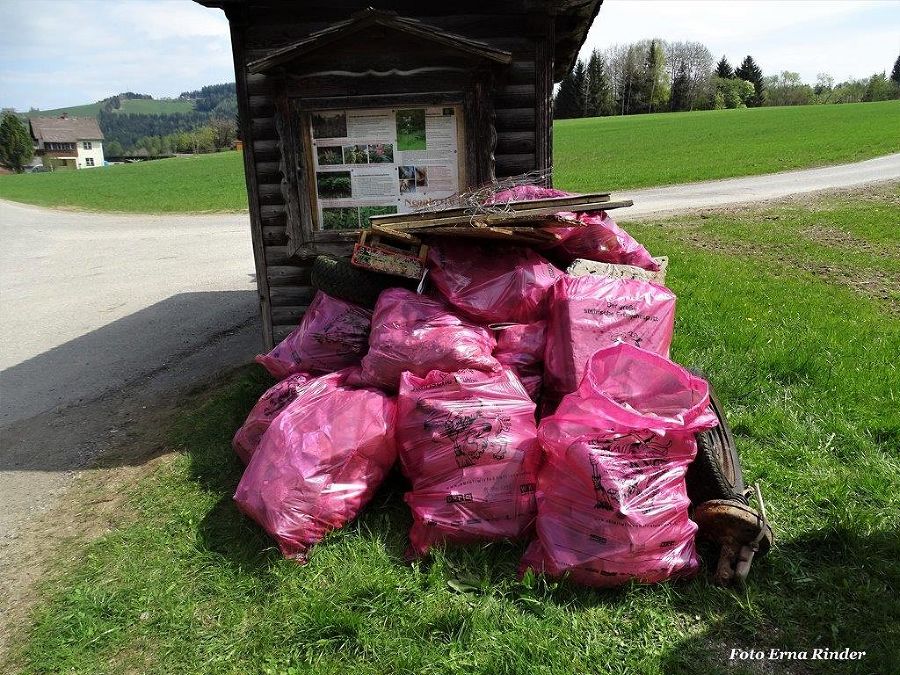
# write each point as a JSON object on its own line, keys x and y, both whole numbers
{"x": 829, "y": 236}
{"x": 873, "y": 283}
{"x": 881, "y": 285}
{"x": 94, "y": 505}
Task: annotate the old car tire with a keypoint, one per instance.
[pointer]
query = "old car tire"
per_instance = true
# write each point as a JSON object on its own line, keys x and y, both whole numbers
{"x": 339, "y": 279}
{"x": 716, "y": 471}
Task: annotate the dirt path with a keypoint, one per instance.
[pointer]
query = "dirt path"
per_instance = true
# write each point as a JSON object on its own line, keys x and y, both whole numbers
{"x": 100, "y": 307}
{"x": 674, "y": 199}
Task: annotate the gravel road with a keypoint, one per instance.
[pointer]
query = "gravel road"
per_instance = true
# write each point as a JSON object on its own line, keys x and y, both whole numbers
{"x": 104, "y": 314}
{"x": 100, "y": 314}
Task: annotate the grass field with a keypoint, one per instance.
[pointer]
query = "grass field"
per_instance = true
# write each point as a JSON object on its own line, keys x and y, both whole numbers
{"x": 182, "y": 184}
{"x": 774, "y": 304}
{"x": 138, "y": 106}
{"x": 604, "y": 153}
{"x": 662, "y": 149}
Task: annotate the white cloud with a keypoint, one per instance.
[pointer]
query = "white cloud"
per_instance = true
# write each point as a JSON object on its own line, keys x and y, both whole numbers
{"x": 844, "y": 37}
{"x": 55, "y": 53}
{"x": 63, "y": 52}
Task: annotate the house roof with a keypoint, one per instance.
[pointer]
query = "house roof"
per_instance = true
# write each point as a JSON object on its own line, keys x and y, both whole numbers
{"x": 374, "y": 17}
{"x": 572, "y": 19}
{"x": 65, "y": 129}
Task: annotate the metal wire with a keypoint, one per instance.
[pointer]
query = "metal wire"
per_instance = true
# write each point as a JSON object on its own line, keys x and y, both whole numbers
{"x": 480, "y": 200}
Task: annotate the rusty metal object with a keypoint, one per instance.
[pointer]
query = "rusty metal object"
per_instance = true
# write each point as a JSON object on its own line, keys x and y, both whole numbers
{"x": 740, "y": 530}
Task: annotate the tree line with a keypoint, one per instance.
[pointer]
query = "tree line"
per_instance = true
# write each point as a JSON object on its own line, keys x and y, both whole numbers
{"x": 215, "y": 134}
{"x": 660, "y": 76}
{"x": 211, "y": 126}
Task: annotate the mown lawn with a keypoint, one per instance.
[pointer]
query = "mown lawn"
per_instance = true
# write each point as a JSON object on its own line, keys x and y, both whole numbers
{"x": 202, "y": 183}
{"x": 613, "y": 153}
{"x": 806, "y": 365}
{"x": 610, "y": 153}
{"x": 138, "y": 106}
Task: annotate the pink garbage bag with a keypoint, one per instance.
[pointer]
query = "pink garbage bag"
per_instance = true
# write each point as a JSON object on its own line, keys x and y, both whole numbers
{"x": 591, "y": 312}
{"x": 599, "y": 238}
{"x": 520, "y": 347}
{"x": 332, "y": 335}
{"x": 468, "y": 445}
{"x": 492, "y": 284}
{"x": 593, "y": 235}
{"x": 269, "y": 406}
{"x": 612, "y": 502}
{"x": 319, "y": 463}
{"x": 420, "y": 334}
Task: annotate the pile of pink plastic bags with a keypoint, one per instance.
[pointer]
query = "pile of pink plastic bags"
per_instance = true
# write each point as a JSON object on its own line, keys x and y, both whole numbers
{"x": 522, "y": 403}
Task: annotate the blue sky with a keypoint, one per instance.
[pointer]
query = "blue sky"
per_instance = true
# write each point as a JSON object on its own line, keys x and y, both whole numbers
{"x": 55, "y": 53}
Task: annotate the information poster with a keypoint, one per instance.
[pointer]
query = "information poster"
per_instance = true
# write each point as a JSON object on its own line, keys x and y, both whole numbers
{"x": 381, "y": 161}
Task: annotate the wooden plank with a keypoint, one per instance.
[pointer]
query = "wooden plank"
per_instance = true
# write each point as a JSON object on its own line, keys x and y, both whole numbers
{"x": 537, "y": 216}
{"x": 250, "y": 159}
{"x": 515, "y": 96}
{"x": 256, "y": 84}
{"x": 261, "y": 105}
{"x": 289, "y": 315}
{"x": 281, "y": 331}
{"x": 387, "y": 231}
{"x": 543, "y": 104}
{"x": 274, "y": 235}
{"x": 514, "y": 142}
{"x": 270, "y": 193}
{"x": 291, "y": 295}
{"x": 520, "y": 72}
{"x": 508, "y": 165}
{"x": 266, "y": 150}
{"x": 267, "y": 172}
{"x": 534, "y": 233}
{"x": 272, "y": 215}
{"x": 515, "y": 119}
{"x": 263, "y": 128}
{"x": 278, "y": 255}
{"x": 289, "y": 275}
{"x": 559, "y": 203}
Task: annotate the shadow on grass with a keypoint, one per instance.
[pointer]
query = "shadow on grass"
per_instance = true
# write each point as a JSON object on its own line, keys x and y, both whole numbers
{"x": 831, "y": 588}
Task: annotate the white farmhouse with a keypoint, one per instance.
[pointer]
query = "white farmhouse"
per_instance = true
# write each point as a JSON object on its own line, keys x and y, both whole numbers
{"x": 67, "y": 142}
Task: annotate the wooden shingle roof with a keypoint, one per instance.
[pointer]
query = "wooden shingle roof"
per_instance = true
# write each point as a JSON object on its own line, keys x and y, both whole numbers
{"x": 65, "y": 129}
{"x": 360, "y": 21}
{"x": 571, "y": 19}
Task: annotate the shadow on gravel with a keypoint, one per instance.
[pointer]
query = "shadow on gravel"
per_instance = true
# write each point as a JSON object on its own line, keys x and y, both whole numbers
{"x": 75, "y": 401}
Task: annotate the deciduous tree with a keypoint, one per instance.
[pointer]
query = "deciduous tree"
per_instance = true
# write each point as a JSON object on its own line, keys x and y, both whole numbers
{"x": 657, "y": 77}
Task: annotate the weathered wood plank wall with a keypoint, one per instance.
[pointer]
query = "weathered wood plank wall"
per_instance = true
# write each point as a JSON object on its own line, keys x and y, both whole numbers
{"x": 521, "y": 105}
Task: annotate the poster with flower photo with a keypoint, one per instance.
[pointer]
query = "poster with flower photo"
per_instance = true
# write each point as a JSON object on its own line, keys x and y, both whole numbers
{"x": 382, "y": 161}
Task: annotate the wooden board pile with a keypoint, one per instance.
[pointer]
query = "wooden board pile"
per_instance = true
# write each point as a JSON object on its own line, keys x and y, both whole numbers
{"x": 394, "y": 244}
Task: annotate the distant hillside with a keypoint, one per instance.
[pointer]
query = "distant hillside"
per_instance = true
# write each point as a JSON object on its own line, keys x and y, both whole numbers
{"x": 130, "y": 121}
{"x": 137, "y": 106}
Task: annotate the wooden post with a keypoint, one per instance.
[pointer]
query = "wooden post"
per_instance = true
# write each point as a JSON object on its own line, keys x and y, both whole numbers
{"x": 237, "y": 25}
